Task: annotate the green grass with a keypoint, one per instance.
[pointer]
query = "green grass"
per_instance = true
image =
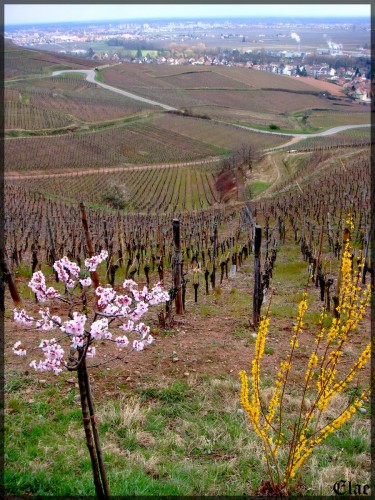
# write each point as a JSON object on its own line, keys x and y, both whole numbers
{"x": 185, "y": 437}
{"x": 173, "y": 440}
{"x": 278, "y": 130}
{"x": 257, "y": 187}
{"x": 99, "y": 75}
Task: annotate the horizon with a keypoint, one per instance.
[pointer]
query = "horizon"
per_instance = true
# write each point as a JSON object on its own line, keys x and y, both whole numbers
{"x": 37, "y": 14}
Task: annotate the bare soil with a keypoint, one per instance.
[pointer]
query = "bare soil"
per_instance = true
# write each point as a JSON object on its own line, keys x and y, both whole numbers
{"x": 210, "y": 339}
{"x": 332, "y": 88}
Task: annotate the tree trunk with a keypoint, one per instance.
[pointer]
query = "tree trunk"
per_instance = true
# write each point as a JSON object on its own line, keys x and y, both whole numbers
{"x": 95, "y": 432}
{"x": 177, "y": 266}
{"x": 82, "y": 372}
{"x": 94, "y": 274}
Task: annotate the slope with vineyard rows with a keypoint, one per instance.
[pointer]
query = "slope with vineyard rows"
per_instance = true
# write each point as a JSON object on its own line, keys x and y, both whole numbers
{"x": 170, "y": 417}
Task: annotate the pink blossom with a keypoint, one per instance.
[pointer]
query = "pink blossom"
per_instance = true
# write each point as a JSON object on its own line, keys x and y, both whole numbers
{"x": 53, "y": 354}
{"x": 48, "y": 322}
{"x": 157, "y": 295}
{"x": 99, "y": 328}
{"x": 112, "y": 310}
{"x": 52, "y": 293}
{"x": 70, "y": 283}
{"x": 76, "y": 325}
{"x": 18, "y": 350}
{"x": 65, "y": 268}
{"x": 48, "y": 365}
{"x": 135, "y": 315}
{"x": 93, "y": 262}
{"x": 22, "y": 317}
{"x": 86, "y": 282}
{"x": 127, "y": 327}
{"x": 141, "y": 308}
{"x": 54, "y": 351}
{"x": 62, "y": 273}
{"x": 149, "y": 340}
{"x": 137, "y": 296}
{"x": 123, "y": 300}
{"x": 72, "y": 267}
{"x": 157, "y": 288}
{"x": 129, "y": 284}
{"x": 106, "y": 295}
{"x": 45, "y": 343}
{"x": 138, "y": 345}
{"x": 76, "y": 341}
{"x": 122, "y": 341}
{"x": 38, "y": 285}
{"x": 91, "y": 352}
{"x": 128, "y": 309}
{"x": 142, "y": 329}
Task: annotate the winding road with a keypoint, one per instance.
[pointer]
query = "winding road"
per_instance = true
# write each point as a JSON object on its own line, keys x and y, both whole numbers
{"x": 90, "y": 77}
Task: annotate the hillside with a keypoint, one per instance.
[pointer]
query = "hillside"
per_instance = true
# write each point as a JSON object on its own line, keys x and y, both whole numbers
{"x": 89, "y": 170}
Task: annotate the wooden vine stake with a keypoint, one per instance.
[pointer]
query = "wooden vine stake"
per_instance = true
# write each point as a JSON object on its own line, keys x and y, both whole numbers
{"x": 319, "y": 258}
{"x": 176, "y": 266}
{"x": 257, "y": 300}
{"x": 7, "y": 277}
{"x": 214, "y": 255}
{"x": 94, "y": 274}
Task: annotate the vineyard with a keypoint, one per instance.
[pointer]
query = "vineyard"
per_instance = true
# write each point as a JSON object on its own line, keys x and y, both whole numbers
{"x": 25, "y": 62}
{"x": 75, "y": 97}
{"x": 235, "y": 232}
{"x": 21, "y": 116}
{"x": 353, "y": 137}
{"x": 324, "y": 119}
{"x": 236, "y": 90}
{"x": 169, "y": 189}
{"x": 221, "y": 135}
{"x": 128, "y": 144}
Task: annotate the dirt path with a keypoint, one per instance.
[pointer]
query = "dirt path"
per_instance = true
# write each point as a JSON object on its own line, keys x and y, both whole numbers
{"x": 35, "y": 174}
{"x": 274, "y": 183}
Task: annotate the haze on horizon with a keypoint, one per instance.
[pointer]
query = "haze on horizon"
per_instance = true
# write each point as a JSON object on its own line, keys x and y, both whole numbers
{"x": 47, "y": 13}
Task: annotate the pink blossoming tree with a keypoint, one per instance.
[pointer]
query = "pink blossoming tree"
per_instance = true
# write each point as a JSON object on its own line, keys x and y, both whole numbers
{"x": 86, "y": 325}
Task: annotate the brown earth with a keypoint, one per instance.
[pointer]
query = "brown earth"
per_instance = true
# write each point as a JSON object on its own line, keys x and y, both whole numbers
{"x": 212, "y": 338}
{"x": 332, "y": 88}
{"x": 35, "y": 174}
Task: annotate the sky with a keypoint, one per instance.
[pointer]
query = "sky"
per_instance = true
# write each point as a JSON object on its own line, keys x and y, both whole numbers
{"x": 49, "y": 13}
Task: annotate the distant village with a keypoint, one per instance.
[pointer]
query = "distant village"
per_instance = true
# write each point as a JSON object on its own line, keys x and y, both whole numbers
{"x": 354, "y": 75}
{"x": 356, "y": 81}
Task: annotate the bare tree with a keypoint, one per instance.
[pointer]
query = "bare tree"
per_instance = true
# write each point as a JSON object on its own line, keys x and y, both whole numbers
{"x": 240, "y": 163}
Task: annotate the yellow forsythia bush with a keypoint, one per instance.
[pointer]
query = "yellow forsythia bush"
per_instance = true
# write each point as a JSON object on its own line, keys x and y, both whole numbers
{"x": 321, "y": 383}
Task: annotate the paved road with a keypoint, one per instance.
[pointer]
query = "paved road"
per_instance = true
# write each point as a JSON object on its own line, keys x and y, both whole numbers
{"x": 330, "y": 131}
{"x": 90, "y": 77}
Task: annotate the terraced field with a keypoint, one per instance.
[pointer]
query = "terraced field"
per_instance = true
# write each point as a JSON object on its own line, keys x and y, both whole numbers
{"x": 352, "y": 137}
{"x": 19, "y": 116}
{"x": 324, "y": 119}
{"x": 76, "y": 97}
{"x": 20, "y": 62}
{"x": 157, "y": 190}
{"x": 133, "y": 144}
{"x": 219, "y": 134}
{"x": 233, "y": 93}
